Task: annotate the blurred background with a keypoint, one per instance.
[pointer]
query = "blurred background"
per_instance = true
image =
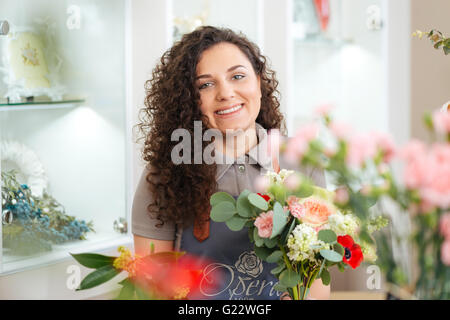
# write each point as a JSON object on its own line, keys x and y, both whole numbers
{"x": 73, "y": 75}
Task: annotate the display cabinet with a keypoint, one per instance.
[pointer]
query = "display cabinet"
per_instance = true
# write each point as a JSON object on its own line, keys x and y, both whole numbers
{"x": 72, "y": 82}
{"x": 64, "y": 126}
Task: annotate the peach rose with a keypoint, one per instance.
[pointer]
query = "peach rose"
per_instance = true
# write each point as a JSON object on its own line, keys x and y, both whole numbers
{"x": 312, "y": 211}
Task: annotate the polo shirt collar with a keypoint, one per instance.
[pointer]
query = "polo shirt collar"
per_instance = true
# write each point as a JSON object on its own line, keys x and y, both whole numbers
{"x": 259, "y": 154}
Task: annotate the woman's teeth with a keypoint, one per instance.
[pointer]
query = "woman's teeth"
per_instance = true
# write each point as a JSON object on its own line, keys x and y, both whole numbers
{"x": 230, "y": 110}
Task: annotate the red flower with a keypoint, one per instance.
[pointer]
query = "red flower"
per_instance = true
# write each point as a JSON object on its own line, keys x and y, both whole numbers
{"x": 265, "y": 196}
{"x": 353, "y": 255}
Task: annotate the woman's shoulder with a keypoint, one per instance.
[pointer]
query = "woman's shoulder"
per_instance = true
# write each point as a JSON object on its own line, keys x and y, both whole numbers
{"x": 145, "y": 222}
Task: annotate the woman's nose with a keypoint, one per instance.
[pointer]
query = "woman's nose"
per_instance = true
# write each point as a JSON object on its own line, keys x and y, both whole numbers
{"x": 225, "y": 91}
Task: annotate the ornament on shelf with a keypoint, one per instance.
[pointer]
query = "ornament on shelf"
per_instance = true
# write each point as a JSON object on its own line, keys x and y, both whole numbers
{"x": 31, "y": 63}
{"x": 15, "y": 155}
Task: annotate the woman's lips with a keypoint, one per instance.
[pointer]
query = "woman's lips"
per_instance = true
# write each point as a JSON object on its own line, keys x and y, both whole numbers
{"x": 226, "y": 115}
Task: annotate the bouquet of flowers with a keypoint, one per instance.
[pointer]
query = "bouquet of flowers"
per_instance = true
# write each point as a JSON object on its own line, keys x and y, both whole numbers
{"x": 170, "y": 275}
{"x": 296, "y": 226}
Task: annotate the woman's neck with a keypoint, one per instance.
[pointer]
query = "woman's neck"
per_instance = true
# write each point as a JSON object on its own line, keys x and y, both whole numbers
{"x": 238, "y": 143}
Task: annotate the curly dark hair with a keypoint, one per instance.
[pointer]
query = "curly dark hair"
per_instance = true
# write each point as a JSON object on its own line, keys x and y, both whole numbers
{"x": 172, "y": 100}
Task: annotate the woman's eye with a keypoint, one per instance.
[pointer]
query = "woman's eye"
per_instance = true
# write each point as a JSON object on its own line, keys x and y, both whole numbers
{"x": 205, "y": 85}
{"x": 238, "y": 76}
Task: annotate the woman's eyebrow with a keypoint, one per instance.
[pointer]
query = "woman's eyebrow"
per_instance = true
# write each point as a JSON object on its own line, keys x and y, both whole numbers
{"x": 229, "y": 70}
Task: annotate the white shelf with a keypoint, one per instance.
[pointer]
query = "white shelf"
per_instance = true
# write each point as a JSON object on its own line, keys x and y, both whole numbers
{"x": 96, "y": 243}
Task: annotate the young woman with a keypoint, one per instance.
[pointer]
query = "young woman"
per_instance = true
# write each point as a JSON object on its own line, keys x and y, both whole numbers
{"x": 220, "y": 78}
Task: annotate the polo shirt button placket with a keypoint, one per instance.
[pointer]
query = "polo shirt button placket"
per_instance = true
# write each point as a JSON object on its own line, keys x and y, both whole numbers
{"x": 241, "y": 168}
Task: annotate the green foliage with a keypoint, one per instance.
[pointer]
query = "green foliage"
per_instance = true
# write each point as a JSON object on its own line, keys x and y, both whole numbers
{"x": 93, "y": 260}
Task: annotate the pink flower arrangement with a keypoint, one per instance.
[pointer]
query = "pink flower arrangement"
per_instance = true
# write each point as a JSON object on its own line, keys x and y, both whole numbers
{"x": 441, "y": 121}
{"x": 299, "y": 144}
{"x": 264, "y": 223}
{"x": 428, "y": 171}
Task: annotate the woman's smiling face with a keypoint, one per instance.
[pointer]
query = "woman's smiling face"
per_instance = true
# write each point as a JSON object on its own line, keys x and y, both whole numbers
{"x": 230, "y": 90}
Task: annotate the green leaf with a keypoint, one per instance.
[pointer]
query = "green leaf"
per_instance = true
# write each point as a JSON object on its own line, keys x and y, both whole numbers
{"x": 327, "y": 236}
{"x": 262, "y": 252}
{"x": 365, "y": 236}
{"x": 98, "y": 277}
{"x": 289, "y": 278}
{"x": 341, "y": 267}
{"x": 279, "y": 193}
{"x": 223, "y": 211}
{"x": 325, "y": 276}
{"x": 270, "y": 243}
{"x": 339, "y": 248}
{"x": 127, "y": 291}
{"x": 219, "y": 197}
{"x": 331, "y": 255}
{"x": 278, "y": 269}
{"x": 287, "y": 232}
{"x": 93, "y": 260}
{"x": 279, "y": 219}
{"x": 279, "y": 287}
{"x": 236, "y": 223}
{"x": 258, "y": 201}
{"x": 323, "y": 194}
{"x": 274, "y": 256}
{"x": 163, "y": 257}
{"x": 258, "y": 240}
{"x": 304, "y": 190}
{"x": 243, "y": 205}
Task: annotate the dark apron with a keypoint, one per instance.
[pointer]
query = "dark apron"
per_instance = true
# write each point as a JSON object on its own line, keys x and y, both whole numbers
{"x": 233, "y": 271}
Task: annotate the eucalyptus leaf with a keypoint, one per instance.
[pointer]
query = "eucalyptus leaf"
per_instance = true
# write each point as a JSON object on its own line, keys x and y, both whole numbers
{"x": 258, "y": 201}
{"x": 278, "y": 269}
{"x": 279, "y": 219}
{"x": 279, "y": 287}
{"x": 339, "y": 248}
{"x": 325, "y": 276}
{"x": 274, "y": 256}
{"x": 289, "y": 278}
{"x": 219, "y": 197}
{"x": 236, "y": 223}
{"x": 262, "y": 252}
{"x": 258, "y": 240}
{"x": 223, "y": 211}
{"x": 270, "y": 243}
{"x": 243, "y": 205}
{"x": 98, "y": 277}
{"x": 93, "y": 260}
{"x": 327, "y": 236}
{"x": 331, "y": 255}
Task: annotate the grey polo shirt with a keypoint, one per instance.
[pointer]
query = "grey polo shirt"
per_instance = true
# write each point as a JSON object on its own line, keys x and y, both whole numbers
{"x": 233, "y": 176}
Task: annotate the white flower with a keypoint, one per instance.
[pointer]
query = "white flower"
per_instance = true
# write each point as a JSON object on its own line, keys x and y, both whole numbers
{"x": 303, "y": 243}
{"x": 279, "y": 177}
{"x": 343, "y": 224}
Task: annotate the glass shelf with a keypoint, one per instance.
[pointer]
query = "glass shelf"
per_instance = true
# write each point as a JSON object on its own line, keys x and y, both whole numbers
{"x": 38, "y": 105}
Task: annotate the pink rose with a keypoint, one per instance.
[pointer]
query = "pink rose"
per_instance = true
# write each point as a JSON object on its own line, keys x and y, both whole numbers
{"x": 299, "y": 144}
{"x": 385, "y": 143}
{"x": 436, "y": 187}
{"x": 324, "y": 109}
{"x": 292, "y": 182}
{"x": 445, "y": 252}
{"x": 341, "y": 130}
{"x": 360, "y": 149}
{"x": 341, "y": 196}
{"x": 264, "y": 223}
{"x": 313, "y": 211}
{"x": 444, "y": 225}
{"x": 441, "y": 121}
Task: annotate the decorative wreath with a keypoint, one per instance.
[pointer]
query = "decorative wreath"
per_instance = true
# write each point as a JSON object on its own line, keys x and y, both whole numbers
{"x": 27, "y": 163}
